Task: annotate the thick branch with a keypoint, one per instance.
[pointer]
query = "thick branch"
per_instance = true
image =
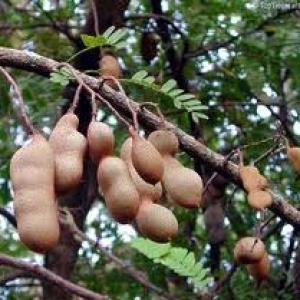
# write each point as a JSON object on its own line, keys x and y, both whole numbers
{"x": 44, "y": 66}
{"x": 47, "y": 275}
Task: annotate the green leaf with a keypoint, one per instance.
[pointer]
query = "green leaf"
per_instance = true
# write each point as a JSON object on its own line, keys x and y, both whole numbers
{"x": 176, "y": 92}
{"x": 116, "y": 36}
{"x": 185, "y": 97}
{"x": 169, "y": 85}
{"x": 181, "y": 100}
{"x": 109, "y": 31}
{"x": 149, "y": 248}
{"x": 61, "y": 76}
{"x": 140, "y": 75}
{"x": 177, "y": 259}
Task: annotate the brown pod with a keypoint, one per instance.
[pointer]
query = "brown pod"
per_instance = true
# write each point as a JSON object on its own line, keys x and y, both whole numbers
{"x": 69, "y": 148}
{"x": 146, "y": 159}
{"x": 259, "y": 199}
{"x": 156, "y": 222}
{"x": 293, "y": 154}
{"x": 183, "y": 185}
{"x": 109, "y": 66}
{"x": 165, "y": 141}
{"x": 249, "y": 250}
{"x": 100, "y": 139}
{"x": 153, "y": 192}
{"x": 120, "y": 194}
{"x": 260, "y": 270}
{"x": 252, "y": 179}
{"x": 32, "y": 176}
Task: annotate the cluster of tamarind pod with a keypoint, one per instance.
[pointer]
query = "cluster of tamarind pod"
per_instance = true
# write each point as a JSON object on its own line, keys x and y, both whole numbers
{"x": 131, "y": 184}
{"x": 251, "y": 251}
{"x": 255, "y": 184}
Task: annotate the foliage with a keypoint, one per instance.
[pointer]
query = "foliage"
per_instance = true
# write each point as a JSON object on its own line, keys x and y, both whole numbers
{"x": 180, "y": 99}
{"x": 178, "y": 259}
{"x": 111, "y": 37}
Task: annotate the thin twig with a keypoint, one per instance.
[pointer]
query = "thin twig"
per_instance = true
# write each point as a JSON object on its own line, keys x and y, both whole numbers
{"x": 76, "y": 98}
{"x": 26, "y": 122}
{"x": 96, "y": 95}
{"x": 49, "y": 276}
{"x": 67, "y": 219}
{"x": 95, "y": 16}
{"x": 118, "y": 84}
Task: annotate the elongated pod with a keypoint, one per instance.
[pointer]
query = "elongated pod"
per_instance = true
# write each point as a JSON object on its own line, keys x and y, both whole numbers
{"x": 32, "y": 176}
{"x": 156, "y": 222}
{"x": 100, "y": 139}
{"x": 293, "y": 154}
{"x": 146, "y": 190}
{"x": 120, "y": 194}
{"x": 146, "y": 159}
{"x": 69, "y": 148}
{"x": 183, "y": 185}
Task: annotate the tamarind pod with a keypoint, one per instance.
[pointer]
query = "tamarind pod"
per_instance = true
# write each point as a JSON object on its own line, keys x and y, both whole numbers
{"x": 146, "y": 159}
{"x": 165, "y": 141}
{"x": 183, "y": 185}
{"x": 120, "y": 194}
{"x": 69, "y": 148}
{"x": 156, "y": 222}
{"x": 109, "y": 66}
{"x": 260, "y": 270}
{"x": 252, "y": 179}
{"x": 293, "y": 154}
{"x": 153, "y": 192}
{"x": 259, "y": 199}
{"x": 249, "y": 250}
{"x": 100, "y": 140}
{"x": 32, "y": 176}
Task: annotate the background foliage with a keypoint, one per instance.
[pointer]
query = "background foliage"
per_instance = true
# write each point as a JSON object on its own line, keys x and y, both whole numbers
{"x": 242, "y": 67}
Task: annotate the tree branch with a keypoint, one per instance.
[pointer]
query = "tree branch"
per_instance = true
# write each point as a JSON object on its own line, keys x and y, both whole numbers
{"x": 140, "y": 277}
{"x": 44, "y": 66}
{"x": 47, "y": 275}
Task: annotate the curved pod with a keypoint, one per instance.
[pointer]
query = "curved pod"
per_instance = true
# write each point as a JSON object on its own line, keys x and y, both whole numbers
{"x": 153, "y": 192}
{"x": 183, "y": 185}
{"x": 69, "y": 148}
{"x": 120, "y": 194}
{"x": 100, "y": 139}
{"x": 156, "y": 222}
{"x": 146, "y": 159}
{"x": 32, "y": 172}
